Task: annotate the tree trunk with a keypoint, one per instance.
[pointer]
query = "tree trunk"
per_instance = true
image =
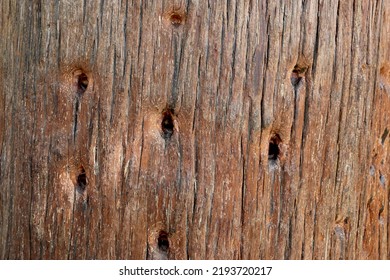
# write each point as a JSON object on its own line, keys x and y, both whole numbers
{"x": 194, "y": 129}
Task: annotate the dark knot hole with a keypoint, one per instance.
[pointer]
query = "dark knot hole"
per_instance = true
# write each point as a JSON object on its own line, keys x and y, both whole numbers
{"x": 167, "y": 124}
{"x": 297, "y": 75}
{"x": 176, "y": 19}
{"x": 163, "y": 241}
{"x": 273, "y": 149}
{"x": 82, "y": 181}
{"x": 82, "y": 82}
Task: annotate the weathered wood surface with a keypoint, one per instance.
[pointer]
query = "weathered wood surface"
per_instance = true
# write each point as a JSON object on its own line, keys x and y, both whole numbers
{"x": 194, "y": 129}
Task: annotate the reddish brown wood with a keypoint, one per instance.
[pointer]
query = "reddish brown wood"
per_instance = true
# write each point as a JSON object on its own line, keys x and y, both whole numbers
{"x": 194, "y": 129}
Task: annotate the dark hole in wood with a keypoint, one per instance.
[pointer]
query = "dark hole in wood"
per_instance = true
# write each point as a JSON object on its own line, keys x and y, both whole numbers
{"x": 167, "y": 124}
{"x": 273, "y": 149}
{"x": 163, "y": 241}
{"x": 176, "y": 19}
{"x": 384, "y": 135}
{"x": 297, "y": 74}
{"x": 295, "y": 79}
{"x": 82, "y": 181}
{"x": 82, "y": 83}
{"x": 381, "y": 210}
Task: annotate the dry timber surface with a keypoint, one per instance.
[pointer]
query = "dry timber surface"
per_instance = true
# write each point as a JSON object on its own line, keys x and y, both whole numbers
{"x": 145, "y": 129}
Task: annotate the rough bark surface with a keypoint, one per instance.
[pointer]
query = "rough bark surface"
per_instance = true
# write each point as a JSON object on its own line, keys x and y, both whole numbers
{"x": 194, "y": 129}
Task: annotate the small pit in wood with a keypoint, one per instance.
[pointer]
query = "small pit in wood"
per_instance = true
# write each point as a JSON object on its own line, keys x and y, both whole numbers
{"x": 175, "y": 18}
{"x": 274, "y": 148}
{"x": 163, "y": 241}
{"x": 297, "y": 75}
{"x": 81, "y": 181}
{"x": 167, "y": 124}
{"x": 82, "y": 81}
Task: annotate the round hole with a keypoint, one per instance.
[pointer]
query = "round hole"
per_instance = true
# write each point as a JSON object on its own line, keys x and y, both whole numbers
{"x": 82, "y": 82}
{"x": 81, "y": 181}
{"x": 297, "y": 74}
{"x": 176, "y": 19}
{"x": 273, "y": 149}
{"x": 295, "y": 79}
{"x": 167, "y": 124}
{"x": 163, "y": 241}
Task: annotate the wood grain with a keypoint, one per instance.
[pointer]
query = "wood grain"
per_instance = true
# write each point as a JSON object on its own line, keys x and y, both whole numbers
{"x": 194, "y": 129}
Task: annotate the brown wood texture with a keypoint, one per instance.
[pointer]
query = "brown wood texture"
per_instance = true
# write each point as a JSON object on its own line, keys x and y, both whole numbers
{"x": 194, "y": 129}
